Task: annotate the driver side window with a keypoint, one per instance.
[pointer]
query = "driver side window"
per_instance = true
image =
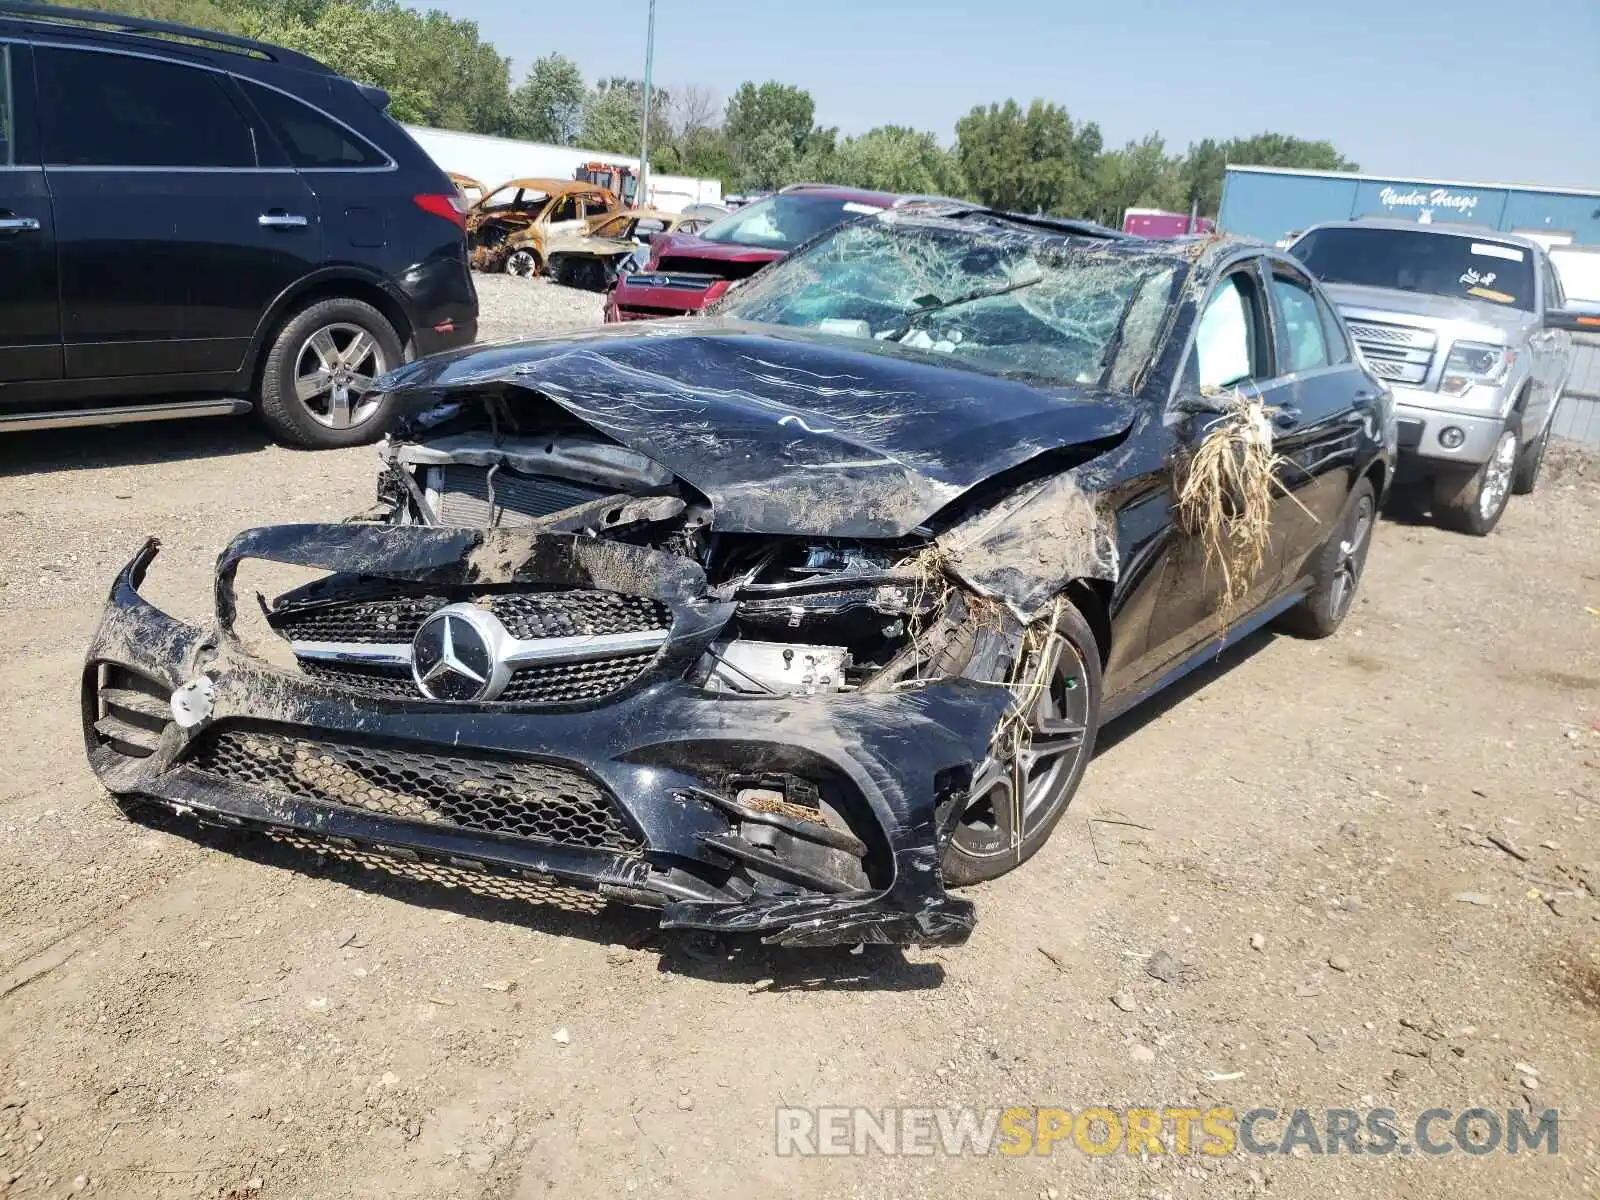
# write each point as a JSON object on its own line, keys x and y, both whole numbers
{"x": 1229, "y": 347}
{"x": 566, "y": 209}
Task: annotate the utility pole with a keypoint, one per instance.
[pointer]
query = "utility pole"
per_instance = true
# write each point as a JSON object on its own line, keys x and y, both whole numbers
{"x": 643, "y": 198}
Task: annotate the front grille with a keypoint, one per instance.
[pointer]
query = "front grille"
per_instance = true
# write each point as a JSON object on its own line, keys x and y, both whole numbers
{"x": 366, "y": 619}
{"x": 532, "y": 800}
{"x": 1395, "y": 352}
{"x": 463, "y": 496}
{"x": 389, "y": 620}
{"x": 529, "y": 615}
{"x": 526, "y": 615}
{"x": 366, "y": 678}
{"x": 569, "y": 683}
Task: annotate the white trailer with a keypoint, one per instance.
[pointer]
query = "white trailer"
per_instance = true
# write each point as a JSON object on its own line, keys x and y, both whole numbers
{"x": 494, "y": 160}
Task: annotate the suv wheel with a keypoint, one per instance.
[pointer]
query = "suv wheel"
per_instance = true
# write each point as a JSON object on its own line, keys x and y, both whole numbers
{"x": 316, "y": 384}
{"x": 1473, "y": 503}
{"x": 524, "y": 263}
{"x": 1004, "y": 824}
{"x": 1527, "y": 473}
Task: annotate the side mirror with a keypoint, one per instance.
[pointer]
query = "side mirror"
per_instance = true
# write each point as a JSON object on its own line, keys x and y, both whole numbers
{"x": 1573, "y": 319}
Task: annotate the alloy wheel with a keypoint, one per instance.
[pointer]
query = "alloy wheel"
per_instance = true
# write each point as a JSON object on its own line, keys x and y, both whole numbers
{"x": 521, "y": 263}
{"x": 1030, "y": 769}
{"x": 334, "y": 372}
{"x": 1496, "y": 483}
{"x": 1352, "y": 557}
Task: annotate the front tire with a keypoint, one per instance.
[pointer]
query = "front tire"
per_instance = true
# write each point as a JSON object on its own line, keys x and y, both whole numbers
{"x": 1526, "y": 477}
{"x": 522, "y": 263}
{"x": 1000, "y": 828}
{"x": 1473, "y": 503}
{"x": 1337, "y": 571}
{"x": 316, "y": 382}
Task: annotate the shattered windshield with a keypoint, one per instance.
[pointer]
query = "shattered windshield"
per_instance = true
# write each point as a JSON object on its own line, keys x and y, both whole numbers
{"x": 783, "y": 221}
{"x": 1005, "y": 303}
{"x": 1436, "y": 264}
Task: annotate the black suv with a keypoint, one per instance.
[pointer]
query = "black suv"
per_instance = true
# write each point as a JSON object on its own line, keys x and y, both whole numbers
{"x": 190, "y": 226}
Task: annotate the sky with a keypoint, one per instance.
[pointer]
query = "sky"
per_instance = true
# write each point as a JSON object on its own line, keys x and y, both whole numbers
{"x": 1470, "y": 90}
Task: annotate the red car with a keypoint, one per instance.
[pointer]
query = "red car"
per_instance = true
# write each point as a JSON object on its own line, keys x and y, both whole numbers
{"x": 687, "y": 271}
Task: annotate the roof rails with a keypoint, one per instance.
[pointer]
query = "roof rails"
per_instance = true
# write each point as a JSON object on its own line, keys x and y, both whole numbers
{"x": 51, "y": 14}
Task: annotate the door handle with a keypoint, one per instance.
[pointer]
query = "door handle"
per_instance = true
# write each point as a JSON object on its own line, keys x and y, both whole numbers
{"x": 278, "y": 219}
{"x": 1286, "y": 418}
{"x": 19, "y": 224}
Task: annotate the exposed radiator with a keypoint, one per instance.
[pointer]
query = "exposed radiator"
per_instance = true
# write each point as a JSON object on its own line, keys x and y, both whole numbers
{"x": 460, "y": 494}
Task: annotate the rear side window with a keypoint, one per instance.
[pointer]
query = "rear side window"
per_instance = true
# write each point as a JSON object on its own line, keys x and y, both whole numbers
{"x": 311, "y": 138}
{"x": 1302, "y": 344}
{"x": 8, "y": 123}
{"x": 114, "y": 110}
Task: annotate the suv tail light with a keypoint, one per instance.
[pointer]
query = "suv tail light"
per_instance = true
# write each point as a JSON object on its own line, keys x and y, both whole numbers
{"x": 451, "y": 208}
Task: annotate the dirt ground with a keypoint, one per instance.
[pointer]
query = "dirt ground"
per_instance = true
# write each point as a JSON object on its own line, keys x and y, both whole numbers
{"x": 180, "y": 1021}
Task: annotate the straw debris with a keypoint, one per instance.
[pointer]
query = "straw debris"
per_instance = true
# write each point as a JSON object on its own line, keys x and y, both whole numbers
{"x": 1227, "y": 491}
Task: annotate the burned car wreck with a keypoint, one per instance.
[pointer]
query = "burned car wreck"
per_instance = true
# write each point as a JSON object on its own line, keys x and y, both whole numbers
{"x": 779, "y": 621}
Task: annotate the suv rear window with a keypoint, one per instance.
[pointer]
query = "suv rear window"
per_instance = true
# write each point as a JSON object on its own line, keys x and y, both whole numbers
{"x": 115, "y": 110}
{"x": 1436, "y": 264}
{"x": 311, "y": 138}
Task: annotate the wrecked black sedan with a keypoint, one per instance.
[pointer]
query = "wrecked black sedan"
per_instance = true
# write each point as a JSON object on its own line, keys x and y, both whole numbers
{"x": 784, "y": 619}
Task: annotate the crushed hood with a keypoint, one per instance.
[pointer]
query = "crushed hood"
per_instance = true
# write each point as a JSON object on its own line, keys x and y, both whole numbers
{"x": 782, "y": 431}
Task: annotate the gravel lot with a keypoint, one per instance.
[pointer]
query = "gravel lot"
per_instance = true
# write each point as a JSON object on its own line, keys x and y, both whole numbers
{"x": 181, "y": 1021}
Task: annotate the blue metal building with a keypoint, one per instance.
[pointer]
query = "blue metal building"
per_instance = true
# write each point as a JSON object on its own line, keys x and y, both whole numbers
{"x": 1272, "y": 203}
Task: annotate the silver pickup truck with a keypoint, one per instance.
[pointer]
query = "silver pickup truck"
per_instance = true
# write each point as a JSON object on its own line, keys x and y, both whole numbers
{"x": 1469, "y": 329}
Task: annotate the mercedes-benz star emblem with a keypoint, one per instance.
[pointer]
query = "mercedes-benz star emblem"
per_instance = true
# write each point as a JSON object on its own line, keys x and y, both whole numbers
{"x": 451, "y": 656}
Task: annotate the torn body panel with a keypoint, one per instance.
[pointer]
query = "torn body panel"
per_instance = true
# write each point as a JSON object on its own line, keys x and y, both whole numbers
{"x": 669, "y": 772}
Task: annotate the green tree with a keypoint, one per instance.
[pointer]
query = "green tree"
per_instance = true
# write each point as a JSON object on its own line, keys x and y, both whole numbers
{"x": 1033, "y": 161}
{"x": 548, "y": 107}
{"x": 893, "y": 158}
{"x": 436, "y": 70}
{"x": 1140, "y": 175}
{"x": 613, "y": 116}
{"x": 771, "y": 136}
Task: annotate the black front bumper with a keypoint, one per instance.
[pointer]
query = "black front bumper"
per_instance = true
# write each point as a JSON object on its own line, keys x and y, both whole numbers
{"x": 661, "y": 751}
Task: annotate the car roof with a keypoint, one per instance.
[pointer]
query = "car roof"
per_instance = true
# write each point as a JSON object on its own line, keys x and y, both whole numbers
{"x": 1453, "y": 228}
{"x": 831, "y": 191}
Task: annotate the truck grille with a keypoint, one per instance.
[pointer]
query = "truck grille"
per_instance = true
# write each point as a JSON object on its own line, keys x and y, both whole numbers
{"x": 1395, "y": 352}
{"x": 532, "y": 800}
{"x": 461, "y": 496}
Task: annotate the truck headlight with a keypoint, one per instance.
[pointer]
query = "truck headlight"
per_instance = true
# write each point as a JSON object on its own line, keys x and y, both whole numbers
{"x": 1474, "y": 363}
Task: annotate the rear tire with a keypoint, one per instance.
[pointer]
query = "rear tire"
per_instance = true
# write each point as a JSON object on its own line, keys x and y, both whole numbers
{"x": 1065, "y": 722}
{"x": 316, "y": 381}
{"x": 1473, "y": 502}
{"x": 1338, "y": 570}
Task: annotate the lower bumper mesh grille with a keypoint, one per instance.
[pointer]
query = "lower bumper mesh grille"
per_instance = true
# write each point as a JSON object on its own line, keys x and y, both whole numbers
{"x": 497, "y": 795}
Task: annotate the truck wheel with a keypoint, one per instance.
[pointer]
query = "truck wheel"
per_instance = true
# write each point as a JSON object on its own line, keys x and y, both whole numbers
{"x": 1527, "y": 474}
{"x": 999, "y": 829}
{"x": 316, "y": 382}
{"x": 1473, "y": 502}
